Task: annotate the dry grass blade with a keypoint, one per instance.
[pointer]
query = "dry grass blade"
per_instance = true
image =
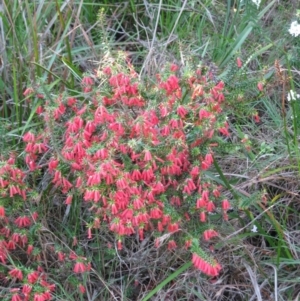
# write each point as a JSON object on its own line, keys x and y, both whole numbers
{"x": 275, "y": 281}
{"x": 254, "y": 282}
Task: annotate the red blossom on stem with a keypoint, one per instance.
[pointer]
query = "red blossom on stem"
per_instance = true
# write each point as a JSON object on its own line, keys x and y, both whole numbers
{"x": 81, "y": 288}
{"x": 239, "y": 62}
{"x": 33, "y": 277}
{"x": 225, "y": 205}
{"x": 172, "y": 245}
{"x": 23, "y": 221}
{"x": 2, "y": 212}
{"x": 80, "y": 267}
{"x": 205, "y": 266}
{"x": 208, "y": 234}
{"x": 260, "y": 86}
{"x": 16, "y": 297}
{"x": 16, "y": 273}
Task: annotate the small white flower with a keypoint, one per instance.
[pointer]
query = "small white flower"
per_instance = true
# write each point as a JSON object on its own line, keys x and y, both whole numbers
{"x": 292, "y": 95}
{"x": 256, "y": 2}
{"x": 254, "y": 229}
{"x": 295, "y": 29}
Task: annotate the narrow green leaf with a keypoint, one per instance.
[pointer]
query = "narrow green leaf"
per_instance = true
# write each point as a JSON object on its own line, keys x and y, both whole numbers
{"x": 238, "y": 43}
{"x": 167, "y": 280}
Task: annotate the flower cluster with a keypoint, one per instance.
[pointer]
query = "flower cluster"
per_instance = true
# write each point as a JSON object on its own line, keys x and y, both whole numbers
{"x": 15, "y": 235}
{"x": 35, "y": 286}
{"x": 138, "y": 157}
{"x": 11, "y": 179}
{"x": 136, "y": 153}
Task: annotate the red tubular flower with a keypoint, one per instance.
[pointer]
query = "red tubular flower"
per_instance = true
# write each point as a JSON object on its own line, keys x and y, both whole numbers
{"x": 87, "y": 81}
{"x": 39, "y": 297}
{"x": 210, "y": 206}
{"x": 239, "y": 62}
{"x": 174, "y": 68}
{"x": 216, "y": 193}
{"x": 53, "y": 163}
{"x": 209, "y": 158}
{"x": 12, "y": 190}
{"x": 138, "y": 204}
{"x": 79, "y": 267}
{"x": 68, "y": 200}
{"x": 171, "y": 85}
{"x": 188, "y": 243}
{"x": 29, "y": 249}
{"x": 78, "y": 182}
{"x": 10, "y": 245}
{"x": 195, "y": 171}
{"x": 256, "y": 117}
{"x": 66, "y": 184}
{"x": 2, "y": 212}
{"x": 89, "y": 230}
{"x": 16, "y": 297}
{"x": 201, "y": 203}
{"x": 28, "y": 91}
{"x": 3, "y": 183}
{"x": 47, "y": 295}
{"x": 61, "y": 256}
{"x": 203, "y": 114}
{"x": 23, "y": 221}
{"x": 120, "y": 245}
{"x": 202, "y": 217}
{"x": 175, "y": 201}
{"x": 172, "y": 245}
{"x": 75, "y": 242}
{"x": 190, "y": 184}
{"x": 16, "y": 237}
{"x": 141, "y": 234}
{"x": 33, "y": 277}
{"x": 148, "y": 156}
{"x": 155, "y": 213}
{"x": 205, "y": 165}
{"x": 206, "y": 267}
{"x": 208, "y": 234}
{"x": 47, "y": 285}
{"x": 26, "y": 290}
{"x": 24, "y": 240}
{"x": 32, "y": 165}
{"x": 73, "y": 256}
{"x": 81, "y": 288}
{"x": 225, "y": 205}
{"x": 35, "y": 216}
{"x": 181, "y": 111}
{"x": 260, "y": 86}
{"x": 173, "y": 227}
{"x": 205, "y": 195}
{"x": 224, "y": 131}
{"x": 29, "y": 137}
{"x": 199, "y": 263}
{"x": 16, "y": 273}
{"x": 107, "y": 71}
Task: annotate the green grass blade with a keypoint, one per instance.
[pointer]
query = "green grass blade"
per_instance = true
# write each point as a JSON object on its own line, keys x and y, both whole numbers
{"x": 239, "y": 42}
{"x": 167, "y": 280}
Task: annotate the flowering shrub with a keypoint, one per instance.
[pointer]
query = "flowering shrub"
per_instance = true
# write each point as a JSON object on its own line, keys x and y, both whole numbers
{"x": 16, "y": 226}
{"x": 136, "y": 154}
